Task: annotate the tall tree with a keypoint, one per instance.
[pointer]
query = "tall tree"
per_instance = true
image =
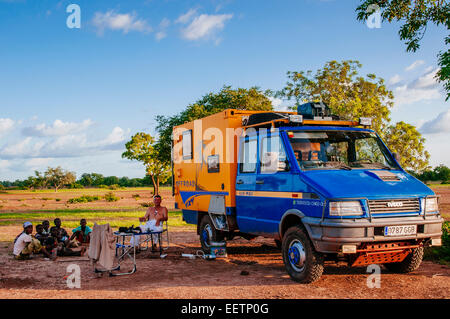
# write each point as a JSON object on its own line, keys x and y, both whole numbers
{"x": 404, "y": 139}
{"x": 348, "y": 94}
{"x": 211, "y": 103}
{"x": 141, "y": 148}
{"x": 57, "y": 177}
{"x": 351, "y": 96}
{"x": 415, "y": 16}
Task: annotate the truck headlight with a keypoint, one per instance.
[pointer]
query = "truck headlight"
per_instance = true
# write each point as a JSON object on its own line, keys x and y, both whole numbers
{"x": 345, "y": 208}
{"x": 431, "y": 204}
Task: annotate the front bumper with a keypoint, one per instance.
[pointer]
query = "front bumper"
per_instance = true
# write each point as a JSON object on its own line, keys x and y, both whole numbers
{"x": 329, "y": 235}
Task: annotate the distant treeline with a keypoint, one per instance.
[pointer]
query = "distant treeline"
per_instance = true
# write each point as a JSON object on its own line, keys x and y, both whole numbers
{"x": 440, "y": 173}
{"x": 86, "y": 180}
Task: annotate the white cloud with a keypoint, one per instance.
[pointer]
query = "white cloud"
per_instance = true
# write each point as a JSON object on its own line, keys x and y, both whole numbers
{"x": 161, "y": 34}
{"x": 187, "y": 17}
{"x": 165, "y": 23}
{"x": 395, "y": 79}
{"x": 440, "y": 124}
{"x": 23, "y": 148}
{"x": 114, "y": 139}
{"x": 4, "y": 164}
{"x": 119, "y": 22}
{"x": 36, "y": 163}
{"x": 69, "y": 146}
{"x": 423, "y": 88}
{"x": 205, "y": 26}
{"x": 59, "y": 128}
{"x": 6, "y": 125}
{"x": 427, "y": 80}
{"x": 414, "y": 65}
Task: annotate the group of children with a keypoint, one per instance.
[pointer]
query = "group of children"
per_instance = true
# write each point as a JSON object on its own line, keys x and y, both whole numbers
{"x": 51, "y": 241}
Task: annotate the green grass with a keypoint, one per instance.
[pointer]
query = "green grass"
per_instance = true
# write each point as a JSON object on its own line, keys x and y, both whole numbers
{"x": 78, "y": 190}
{"x": 71, "y": 218}
{"x": 432, "y": 186}
{"x": 441, "y": 254}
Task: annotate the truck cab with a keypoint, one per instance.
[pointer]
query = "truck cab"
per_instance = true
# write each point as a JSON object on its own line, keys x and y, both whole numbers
{"x": 323, "y": 189}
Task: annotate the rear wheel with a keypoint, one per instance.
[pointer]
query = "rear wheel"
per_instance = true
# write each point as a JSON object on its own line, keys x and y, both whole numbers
{"x": 409, "y": 264}
{"x": 302, "y": 262}
{"x": 208, "y": 233}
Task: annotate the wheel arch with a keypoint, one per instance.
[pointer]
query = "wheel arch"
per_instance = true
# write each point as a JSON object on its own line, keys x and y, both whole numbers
{"x": 290, "y": 218}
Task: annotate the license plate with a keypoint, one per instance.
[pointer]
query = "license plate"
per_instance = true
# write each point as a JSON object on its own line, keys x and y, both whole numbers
{"x": 400, "y": 230}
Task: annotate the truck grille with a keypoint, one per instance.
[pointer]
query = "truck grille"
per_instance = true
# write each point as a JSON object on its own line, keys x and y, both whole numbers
{"x": 394, "y": 206}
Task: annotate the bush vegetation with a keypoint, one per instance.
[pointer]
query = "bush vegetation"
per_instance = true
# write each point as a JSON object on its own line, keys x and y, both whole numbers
{"x": 110, "y": 197}
{"x": 441, "y": 254}
{"x": 83, "y": 199}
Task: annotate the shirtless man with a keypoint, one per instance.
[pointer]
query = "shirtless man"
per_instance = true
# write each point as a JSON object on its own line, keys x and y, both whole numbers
{"x": 158, "y": 214}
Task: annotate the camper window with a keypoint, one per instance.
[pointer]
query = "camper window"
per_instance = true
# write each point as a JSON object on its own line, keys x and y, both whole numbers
{"x": 187, "y": 145}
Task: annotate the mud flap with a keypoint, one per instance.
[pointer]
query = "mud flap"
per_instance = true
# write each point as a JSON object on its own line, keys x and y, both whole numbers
{"x": 217, "y": 212}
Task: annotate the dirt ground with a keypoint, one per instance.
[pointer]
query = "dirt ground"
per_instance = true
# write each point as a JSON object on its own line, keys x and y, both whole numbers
{"x": 253, "y": 269}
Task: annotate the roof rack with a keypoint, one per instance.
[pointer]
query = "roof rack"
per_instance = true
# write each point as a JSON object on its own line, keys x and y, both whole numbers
{"x": 312, "y": 113}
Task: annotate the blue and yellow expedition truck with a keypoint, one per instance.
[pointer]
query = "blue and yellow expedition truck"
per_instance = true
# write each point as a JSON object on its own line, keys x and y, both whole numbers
{"x": 321, "y": 187}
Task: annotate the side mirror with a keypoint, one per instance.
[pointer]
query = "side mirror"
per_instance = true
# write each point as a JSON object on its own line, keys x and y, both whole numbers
{"x": 397, "y": 157}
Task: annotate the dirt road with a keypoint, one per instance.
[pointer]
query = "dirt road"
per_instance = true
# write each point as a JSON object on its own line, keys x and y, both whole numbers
{"x": 252, "y": 270}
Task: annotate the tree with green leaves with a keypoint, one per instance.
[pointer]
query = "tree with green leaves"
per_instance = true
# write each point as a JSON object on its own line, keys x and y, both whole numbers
{"x": 141, "y": 148}
{"x": 211, "y": 103}
{"x": 415, "y": 16}
{"x": 348, "y": 94}
{"x": 351, "y": 96}
{"x": 405, "y": 140}
{"x": 58, "y": 177}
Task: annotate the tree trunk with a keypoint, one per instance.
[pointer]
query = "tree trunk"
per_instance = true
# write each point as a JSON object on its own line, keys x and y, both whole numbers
{"x": 154, "y": 185}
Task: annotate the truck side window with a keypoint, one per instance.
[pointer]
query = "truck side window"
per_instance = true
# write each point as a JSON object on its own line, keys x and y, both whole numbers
{"x": 187, "y": 145}
{"x": 248, "y": 156}
{"x": 273, "y": 156}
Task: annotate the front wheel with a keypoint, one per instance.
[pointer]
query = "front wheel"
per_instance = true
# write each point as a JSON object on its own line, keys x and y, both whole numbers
{"x": 208, "y": 233}
{"x": 409, "y": 264}
{"x": 302, "y": 262}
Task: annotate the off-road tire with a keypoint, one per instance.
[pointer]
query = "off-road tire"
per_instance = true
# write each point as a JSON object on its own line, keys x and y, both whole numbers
{"x": 215, "y": 234}
{"x": 312, "y": 267}
{"x": 409, "y": 264}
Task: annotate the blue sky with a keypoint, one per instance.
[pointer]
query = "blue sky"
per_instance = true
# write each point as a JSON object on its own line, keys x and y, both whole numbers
{"x": 72, "y": 97}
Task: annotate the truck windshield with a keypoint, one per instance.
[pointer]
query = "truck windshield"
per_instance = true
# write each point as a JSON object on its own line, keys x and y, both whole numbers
{"x": 340, "y": 150}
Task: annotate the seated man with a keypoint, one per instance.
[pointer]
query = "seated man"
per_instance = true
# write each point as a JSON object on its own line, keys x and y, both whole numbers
{"x": 46, "y": 227}
{"x": 61, "y": 249}
{"x": 25, "y": 244}
{"x": 61, "y": 235}
{"x": 81, "y": 235}
{"x": 154, "y": 219}
{"x": 40, "y": 235}
{"x": 155, "y": 216}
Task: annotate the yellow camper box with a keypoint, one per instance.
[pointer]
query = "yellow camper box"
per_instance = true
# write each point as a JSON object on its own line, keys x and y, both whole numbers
{"x": 205, "y": 159}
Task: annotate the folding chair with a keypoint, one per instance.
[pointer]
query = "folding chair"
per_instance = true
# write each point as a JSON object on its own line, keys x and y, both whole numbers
{"x": 166, "y": 230}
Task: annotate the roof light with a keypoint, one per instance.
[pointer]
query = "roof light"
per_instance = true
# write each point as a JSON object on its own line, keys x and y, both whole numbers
{"x": 366, "y": 121}
{"x": 296, "y": 118}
